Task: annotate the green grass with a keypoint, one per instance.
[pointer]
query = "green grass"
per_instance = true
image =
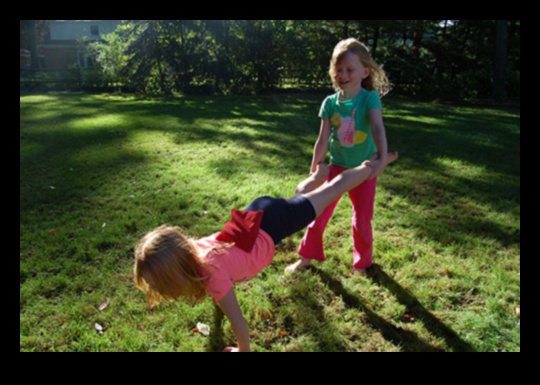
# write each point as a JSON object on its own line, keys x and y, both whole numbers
{"x": 99, "y": 171}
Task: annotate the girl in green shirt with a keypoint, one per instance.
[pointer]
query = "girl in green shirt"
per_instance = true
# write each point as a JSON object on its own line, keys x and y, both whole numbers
{"x": 352, "y": 130}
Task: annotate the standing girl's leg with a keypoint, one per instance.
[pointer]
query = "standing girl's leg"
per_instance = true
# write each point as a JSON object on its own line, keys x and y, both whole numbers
{"x": 363, "y": 199}
{"x": 311, "y": 246}
{"x": 331, "y": 191}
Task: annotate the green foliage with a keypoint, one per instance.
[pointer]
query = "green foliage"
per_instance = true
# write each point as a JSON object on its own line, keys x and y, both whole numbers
{"x": 448, "y": 59}
{"x": 99, "y": 171}
{"x": 110, "y": 54}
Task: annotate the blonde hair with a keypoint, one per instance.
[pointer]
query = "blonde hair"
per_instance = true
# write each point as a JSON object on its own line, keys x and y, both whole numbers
{"x": 377, "y": 79}
{"x": 168, "y": 266}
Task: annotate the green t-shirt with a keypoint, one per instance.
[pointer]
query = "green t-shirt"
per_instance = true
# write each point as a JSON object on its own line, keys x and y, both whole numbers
{"x": 351, "y": 140}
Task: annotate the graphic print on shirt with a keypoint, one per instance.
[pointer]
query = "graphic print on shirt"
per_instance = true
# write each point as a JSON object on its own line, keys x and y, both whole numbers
{"x": 346, "y": 129}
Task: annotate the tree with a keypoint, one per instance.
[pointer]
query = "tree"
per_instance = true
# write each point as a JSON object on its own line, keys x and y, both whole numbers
{"x": 499, "y": 62}
{"x": 449, "y": 59}
{"x": 110, "y": 55}
{"x": 32, "y": 32}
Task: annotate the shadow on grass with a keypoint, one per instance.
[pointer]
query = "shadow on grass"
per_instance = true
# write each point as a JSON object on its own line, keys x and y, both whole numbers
{"x": 458, "y": 166}
{"x": 406, "y": 339}
{"x": 217, "y": 338}
{"x": 73, "y": 146}
{"x": 308, "y": 309}
{"x": 309, "y": 319}
{"x": 66, "y": 124}
{"x": 415, "y": 309}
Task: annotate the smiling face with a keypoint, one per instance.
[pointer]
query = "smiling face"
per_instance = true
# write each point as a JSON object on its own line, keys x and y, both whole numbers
{"x": 348, "y": 74}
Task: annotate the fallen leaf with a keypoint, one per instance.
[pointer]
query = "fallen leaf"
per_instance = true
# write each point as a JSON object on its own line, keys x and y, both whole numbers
{"x": 104, "y": 304}
{"x": 195, "y": 330}
{"x": 99, "y": 328}
{"x": 53, "y": 231}
{"x": 407, "y": 318}
{"x": 264, "y": 315}
{"x": 203, "y": 329}
{"x": 283, "y": 334}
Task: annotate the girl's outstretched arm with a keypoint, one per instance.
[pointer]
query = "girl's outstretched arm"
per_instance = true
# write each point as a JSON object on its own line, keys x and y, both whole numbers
{"x": 321, "y": 145}
{"x": 231, "y": 308}
{"x": 316, "y": 179}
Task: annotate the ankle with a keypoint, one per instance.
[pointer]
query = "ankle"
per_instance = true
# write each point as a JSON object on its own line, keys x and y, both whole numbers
{"x": 305, "y": 262}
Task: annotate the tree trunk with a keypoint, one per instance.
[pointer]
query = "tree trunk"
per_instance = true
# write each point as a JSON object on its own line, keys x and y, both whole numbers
{"x": 499, "y": 62}
{"x": 33, "y": 45}
{"x": 376, "y": 33}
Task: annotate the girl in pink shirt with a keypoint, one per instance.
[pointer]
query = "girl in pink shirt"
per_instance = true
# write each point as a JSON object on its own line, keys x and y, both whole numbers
{"x": 169, "y": 266}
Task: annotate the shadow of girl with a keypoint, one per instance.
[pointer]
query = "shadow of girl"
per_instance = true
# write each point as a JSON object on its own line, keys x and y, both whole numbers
{"x": 217, "y": 336}
{"x": 406, "y": 339}
{"x": 415, "y": 309}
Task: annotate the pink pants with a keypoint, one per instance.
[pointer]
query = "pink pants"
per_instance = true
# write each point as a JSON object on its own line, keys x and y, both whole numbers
{"x": 363, "y": 199}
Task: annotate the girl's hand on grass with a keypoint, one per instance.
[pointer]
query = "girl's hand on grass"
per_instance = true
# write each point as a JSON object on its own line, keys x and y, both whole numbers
{"x": 230, "y": 349}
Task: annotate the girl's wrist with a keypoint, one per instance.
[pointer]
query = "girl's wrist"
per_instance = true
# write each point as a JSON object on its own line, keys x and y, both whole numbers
{"x": 313, "y": 171}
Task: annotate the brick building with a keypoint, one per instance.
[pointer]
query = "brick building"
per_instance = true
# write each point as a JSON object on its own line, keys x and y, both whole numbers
{"x": 64, "y": 46}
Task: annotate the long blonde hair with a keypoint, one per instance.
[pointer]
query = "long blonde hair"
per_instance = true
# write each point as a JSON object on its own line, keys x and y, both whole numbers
{"x": 168, "y": 266}
{"x": 377, "y": 79}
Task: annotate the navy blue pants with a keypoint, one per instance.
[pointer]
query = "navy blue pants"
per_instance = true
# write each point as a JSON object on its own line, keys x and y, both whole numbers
{"x": 283, "y": 217}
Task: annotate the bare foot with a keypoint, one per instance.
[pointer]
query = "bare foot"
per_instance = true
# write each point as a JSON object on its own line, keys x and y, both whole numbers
{"x": 301, "y": 264}
{"x": 358, "y": 272}
{"x": 392, "y": 156}
{"x": 313, "y": 181}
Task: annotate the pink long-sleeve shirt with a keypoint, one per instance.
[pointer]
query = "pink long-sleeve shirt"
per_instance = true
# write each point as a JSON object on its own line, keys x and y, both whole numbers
{"x": 233, "y": 264}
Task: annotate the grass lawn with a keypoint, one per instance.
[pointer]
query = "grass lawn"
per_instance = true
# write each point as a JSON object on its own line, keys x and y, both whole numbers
{"x": 99, "y": 171}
